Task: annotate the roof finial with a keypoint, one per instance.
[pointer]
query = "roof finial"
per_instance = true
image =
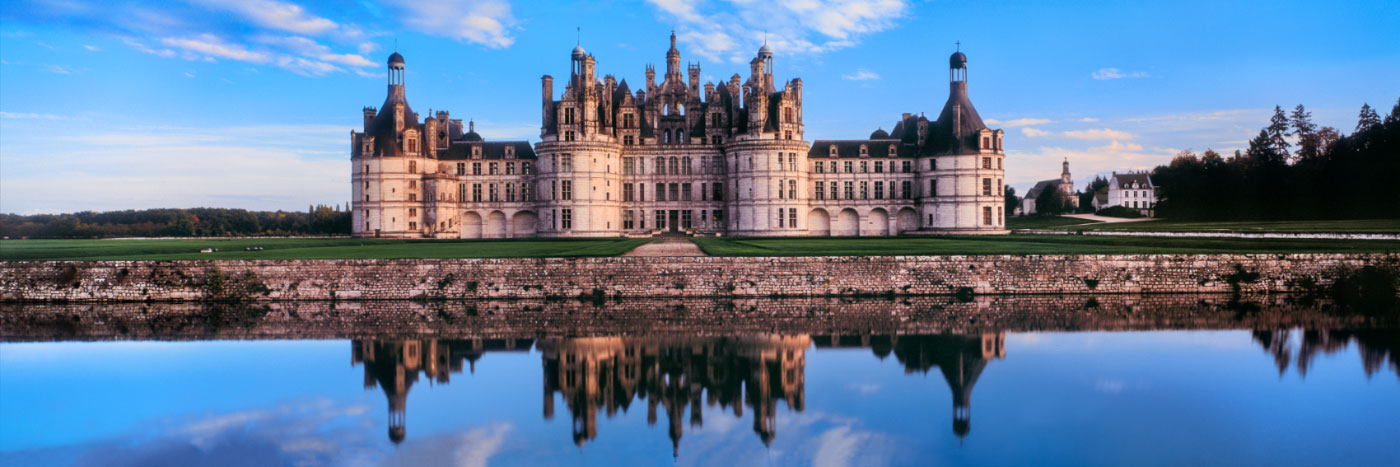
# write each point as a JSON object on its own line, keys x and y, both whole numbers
{"x": 958, "y": 44}
{"x": 578, "y": 35}
{"x": 396, "y": 44}
{"x": 471, "y": 125}
{"x": 765, "y": 37}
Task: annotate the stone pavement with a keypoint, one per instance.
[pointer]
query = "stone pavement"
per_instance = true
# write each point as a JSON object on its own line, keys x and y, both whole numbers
{"x": 668, "y": 246}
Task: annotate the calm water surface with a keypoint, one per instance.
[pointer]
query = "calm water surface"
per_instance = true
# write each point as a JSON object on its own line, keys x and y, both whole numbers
{"x": 1285, "y": 395}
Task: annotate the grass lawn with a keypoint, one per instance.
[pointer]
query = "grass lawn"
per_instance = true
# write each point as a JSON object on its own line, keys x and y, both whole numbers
{"x": 1044, "y": 222}
{"x": 310, "y": 248}
{"x": 1026, "y": 245}
{"x": 1341, "y": 226}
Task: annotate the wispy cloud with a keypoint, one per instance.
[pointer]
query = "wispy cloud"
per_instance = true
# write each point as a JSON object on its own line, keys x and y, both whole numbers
{"x": 1103, "y": 133}
{"x": 27, "y": 116}
{"x": 484, "y": 22}
{"x": 1033, "y": 132}
{"x": 92, "y": 48}
{"x": 275, "y": 15}
{"x": 861, "y": 75}
{"x": 1114, "y": 73}
{"x": 731, "y": 30}
{"x": 1018, "y": 122}
{"x": 125, "y": 167}
{"x": 1088, "y": 119}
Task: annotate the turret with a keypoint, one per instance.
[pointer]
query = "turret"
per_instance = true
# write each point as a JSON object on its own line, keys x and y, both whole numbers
{"x": 673, "y": 58}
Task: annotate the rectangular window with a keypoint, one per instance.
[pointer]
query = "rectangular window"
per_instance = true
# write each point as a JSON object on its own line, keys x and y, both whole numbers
{"x": 412, "y": 226}
{"x": 627, "y": 192}
{"x": 493, "y": 168}
{"x": 476, "y": 192}
{"x": 792, "y": 217}
{"x": 717, "y": 191}
{"x": 476, "y": 168}
{"x": 661, "y": 219}
{"x": 413, "y": 167}
{"x": 864, "y": 194}
{"x": 491, "y": 192}
{"x": 850, "y": 190}
{"x": 879, "y": 190}
{"x": 412, "y": 212}
{"x": 907, "y": 167}
{"x": 834, "y": 195}
{"x": 675, "y": 192}
{"x": 685, "y": 192}
{"x": 510, "y": 192}
{"x": 849, "y": 166}
{"x": 819, "y": 167}
{"x": 627, "y": 221}
{"x": 792, "y": 189}
{"x": 819, "y": 190}
{"x": 986, "y": 162}
{"x": 641, "y": 192}
{"x": 525, "y": 168}
{"x": 461, "y": 192}
{"x": 780, "y": 189}
{"x": 566, "y": 163}
{"x": 986, "y": 215}
{"x": 717, "y": 165}
{"x": 553, "y": 190}
{"x": 413, "y": 196}
{"x": 461, "y": 168}
{"x": 525, "y": 192}
{"x": 627, "y": 140}
{"x": 879, "y": 167}
{"x": 986, "y": 187}
{"x": 566, "y": 190}
{"x": 660, "y": 192}
{"x": 933, "y": 187}
{"x": 627, "y": 165}
{"x": 685, "y": 219}
{"x": 510, "y": 168}
{"x": 567, "y": 219}
{"x": 906, "y": 189}
{"x": 864, "y": 167}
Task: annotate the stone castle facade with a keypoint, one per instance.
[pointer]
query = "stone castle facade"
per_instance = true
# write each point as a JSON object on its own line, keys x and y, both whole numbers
{"x": 713, "y": 159}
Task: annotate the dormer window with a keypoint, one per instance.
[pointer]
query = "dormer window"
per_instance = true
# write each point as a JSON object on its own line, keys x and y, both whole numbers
{"x": 894, "y": 150}
{"x": 476, "y": 152}
{"x": 864, "y": 151}
{"x": 510, "y": 152}
{"x": 831, "y": 151}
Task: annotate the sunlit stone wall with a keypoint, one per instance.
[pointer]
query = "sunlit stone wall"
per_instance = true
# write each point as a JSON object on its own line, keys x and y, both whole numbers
{"x": 557, "y": 278}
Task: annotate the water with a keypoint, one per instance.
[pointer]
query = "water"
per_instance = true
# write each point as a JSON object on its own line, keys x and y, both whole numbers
{"x": 999, "y": 381}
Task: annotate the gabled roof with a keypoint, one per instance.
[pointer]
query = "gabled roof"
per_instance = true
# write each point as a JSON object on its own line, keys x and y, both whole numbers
{"x": 1042, "y": 186}
{"x": 1123, "y": 180}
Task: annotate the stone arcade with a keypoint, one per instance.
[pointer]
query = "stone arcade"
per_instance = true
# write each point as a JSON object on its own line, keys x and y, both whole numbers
{"x": 713, "y": 159}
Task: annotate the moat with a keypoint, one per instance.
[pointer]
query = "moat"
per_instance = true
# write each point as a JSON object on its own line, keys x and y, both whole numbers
{"x": 1110, "y": 379}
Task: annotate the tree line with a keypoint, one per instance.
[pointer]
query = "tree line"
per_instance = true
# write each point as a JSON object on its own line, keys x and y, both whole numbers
{"x": 196, "y": 222}
{"x": 1328, "y": 175}
{"x": 1322, "y": 174}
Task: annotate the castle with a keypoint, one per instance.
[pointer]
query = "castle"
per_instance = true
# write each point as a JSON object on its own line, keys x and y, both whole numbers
{"x": 729, "y": 160}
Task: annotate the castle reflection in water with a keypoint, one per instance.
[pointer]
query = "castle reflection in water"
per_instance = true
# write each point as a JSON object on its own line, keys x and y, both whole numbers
{"x": 602, "y": 375}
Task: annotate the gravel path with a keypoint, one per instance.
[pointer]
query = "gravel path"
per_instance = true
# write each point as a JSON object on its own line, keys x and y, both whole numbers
{"x": 669, "y": 246}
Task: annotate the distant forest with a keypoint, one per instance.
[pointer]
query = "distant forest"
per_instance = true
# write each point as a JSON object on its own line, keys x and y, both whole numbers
{"x": 1327, "y": 176}
{"x": 196, "y": 222}
{"x": 1323, "y": 174}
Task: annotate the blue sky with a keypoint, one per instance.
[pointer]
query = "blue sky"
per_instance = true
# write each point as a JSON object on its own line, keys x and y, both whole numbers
{"x": 137, "y": 104}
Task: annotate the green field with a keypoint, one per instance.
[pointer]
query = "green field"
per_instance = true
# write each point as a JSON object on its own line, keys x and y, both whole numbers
{"x": 310, "y": 248}
{"x": 1044, "y": 222}
{"x": 1341, "y": 226}
{"x": 1026, "y": 245}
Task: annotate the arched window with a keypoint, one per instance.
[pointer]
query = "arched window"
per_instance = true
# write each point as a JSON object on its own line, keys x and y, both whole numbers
{"x": 685, "y": 165}
{"x": 675, "y": 166}
{"x": 667, "y": 137}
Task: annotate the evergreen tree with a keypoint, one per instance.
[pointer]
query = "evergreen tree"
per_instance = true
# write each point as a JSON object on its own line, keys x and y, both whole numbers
{"x": 1368, "y": 119}
{"x": 1394, "y": 116}
{"x": 1308, "y": 147}
{"x": 1262, "y": 150}
{"x": 1278, "y": 132}
{"x": 1011, "y": 200}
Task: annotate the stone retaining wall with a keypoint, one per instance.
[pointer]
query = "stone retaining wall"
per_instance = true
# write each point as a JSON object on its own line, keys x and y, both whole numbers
{"x": 557, "y": 278}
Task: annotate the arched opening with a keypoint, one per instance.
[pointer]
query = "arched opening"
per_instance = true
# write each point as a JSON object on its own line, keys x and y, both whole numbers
{"x": 819, "y": 222}
{"x": 524, "y": 223}
{"x": 877, "y": 223}
{"x": 496, "y": 225}
{"x": 848, "y": 223}
{"x": 907, "y": 220}
{"x": 471, "y": 225}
